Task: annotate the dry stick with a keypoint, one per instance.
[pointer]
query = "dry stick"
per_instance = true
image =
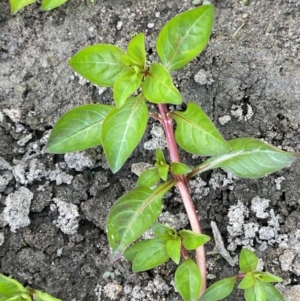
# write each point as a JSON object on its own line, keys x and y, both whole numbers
{"x": 167, "y": 123}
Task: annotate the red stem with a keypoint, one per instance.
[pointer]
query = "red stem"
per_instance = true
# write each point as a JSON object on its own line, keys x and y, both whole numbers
{"x": 167, "y": 123}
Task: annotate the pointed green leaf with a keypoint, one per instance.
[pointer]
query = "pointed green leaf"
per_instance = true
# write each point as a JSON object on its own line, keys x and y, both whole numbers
{"x": 164, "y": 232}
{"x": 50, "y": 4}
{"x": 173, "y": 247}
{"x": 131, "y": 252}
{"x": 41, "y": 296}
{"x": 185, "y": 36}
{"x": 160, "y": 158}
{"x": 188, "y": 280}
{"x": 248, "y": 261}
{"x": 136, "y": 50}
{"x": 158, "y": 86}
{"x": 122, "y": 130}
{"x": 272, "y": 294}
{"x": 248, "y": 281}
{"x": 178, "y": 168}
{"x": 267, "y": 277}
{"x": 163, "y": 172}
{"x": 249, "y": 158}
{"x": 9, "y": 286}
{"x": 192, "y": 240}
{"x": 255, "y": 293}
{"x": 152, "y": 254}
{"x": 78, "y": 129}
{"x": 16, "y": 5}
{"x": 148, "y": 178}
{"x": 219, "y": 290}
{"x": 133, "y": 214}
{"x": 101, "y": 64}
{"x": 18, "y": 297}
{"x": 203, "y": 138}
{"x": 125, "y": 85}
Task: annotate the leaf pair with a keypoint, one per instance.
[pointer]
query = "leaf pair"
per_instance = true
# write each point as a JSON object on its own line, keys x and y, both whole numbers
{"x": 16, "y": 5}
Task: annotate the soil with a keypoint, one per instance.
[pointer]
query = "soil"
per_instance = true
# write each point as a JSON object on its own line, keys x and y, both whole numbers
{"x": 54, "y": 207}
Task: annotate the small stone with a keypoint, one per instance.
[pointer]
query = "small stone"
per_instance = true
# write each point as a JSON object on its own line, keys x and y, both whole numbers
{"x": 112, "y": 290}
{"x": 258, "y": 206}
{"x": 119, "y": 25}
{"x": 150, "y": 25}
{"x": 224, "y": 119}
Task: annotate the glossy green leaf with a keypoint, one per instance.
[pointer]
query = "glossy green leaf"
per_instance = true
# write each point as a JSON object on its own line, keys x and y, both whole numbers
{"x": 178, "y": 168}
{"x": 101, "y": 64}
{"x": 163, "y": 172}
{"x": 122, "y": 130}
{"x": 185, "y": 36}
{"x": 248, "y": 281}
{"x": 164, "y": 232}
{"x": 248, "y": 261}
{"x": 136, "y": 50}
{"x": 78, "y": 129}
{"x": 16, "y": 5}
{"x": 173, "y": 247}
{"x": 249, "y": 158}
{"x": 148, "y": 178}
{"x": 188, "y": 280}
{"x": 192, "y": 240}
{"x": 152, "y": 254}
{"x": 50, "y": 4}
{"x": 133, "y": 214}
{"x": 158, "y": 86}
{"x": 126, "y": 85}
{"x": 272, "y": 294}
{"x": 219, "y": 290}
{"x": 131, "y": 252}
{"x": 267, "y": 277}
{"x": 255, "y": 293}
{"x": 41, "y": 296}
{"x": 196, "y": 134}
{"x": 10, "y": 287}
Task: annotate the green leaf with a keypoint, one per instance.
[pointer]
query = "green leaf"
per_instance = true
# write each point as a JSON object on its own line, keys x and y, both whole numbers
{"x": 50, "y": 4}
{"x": 272, "y": 294}
{"x": 248, "y": 261}
{"x": 131, "y": 252}
{"x": 219, "y": 290}
{"x": 16, "y": 5}
{"x": 9, "y": 286}
{"x": 163, "y": 172}
{"x": 255, "y": 293}
{"x": 18, "y": 297}
{"x": 267, "y": 277}
{"x": 192, "y": 240}
{"x": 133, "y": 214}
{"x": 249, "y": 158}
{"x": 248, "y": 281}
{"x": 160, "y": 158}
{"x": 203, "y": 138}
{"x": 158, "y": 86}
{"x": 188, "y": 280}
{"x": 173, "y": 247}
{"x": 185, "y": 36}
{"x": 125, "y": 85}
{"x": 78, "y": 129}
{"x": 136, "y": 50}
{"x": 122, "y": 130}
{"x": 178, "y": 168}
{"x": 164, "y": 232}
{"x": 152, "y": 254}
{"x": 148, "y": 178}
{"x": 41, "y": 296}
{"x": 101, "y": 64}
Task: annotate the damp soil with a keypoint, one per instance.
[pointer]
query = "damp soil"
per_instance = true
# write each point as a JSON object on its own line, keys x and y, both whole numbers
{"x": 248, "y": 82}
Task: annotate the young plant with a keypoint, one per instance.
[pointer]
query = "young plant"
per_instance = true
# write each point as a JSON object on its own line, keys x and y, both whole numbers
{"x": 16, "y": 5}
{"x": 12, "y": 290}
{"x": 120, "y": 127}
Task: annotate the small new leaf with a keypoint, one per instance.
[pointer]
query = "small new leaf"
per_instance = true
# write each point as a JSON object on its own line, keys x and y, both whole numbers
{"x": 219, "y": 290}
{"x": 185, "y": 36}
{"x": 255, "y": 293}
{"x": 122, "y": 130}
{"x": 136, "y": 50}
{"x": 178, "y": 168}
{"x": 148, "y": 178}
{"x": 272, "y": 294}
{"x": 192, "y": 240}
{"x": 173, "y": 247}
{"x": 16, "y": 5}
{"x": 101, "y": 64}
{"x": 164, "y": 232}
{"x": 51, "y": 4}
{"x": 152, "y": 254}
{"x": 78, "y": 129}
{"x": 188, "y": 280}
{"x": 163, "y": 172}
{"x": 248, "y": 261}
{"x": 267, "y": 277}
{"x": 247, "y": 282}
{"x": 160, "y": 158}
{"x": 158, "y": 86}
{"x": 203, "y": 138}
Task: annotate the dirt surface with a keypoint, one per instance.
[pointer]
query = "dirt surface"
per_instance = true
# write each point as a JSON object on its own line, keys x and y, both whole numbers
{"x": 53, "y": 208}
